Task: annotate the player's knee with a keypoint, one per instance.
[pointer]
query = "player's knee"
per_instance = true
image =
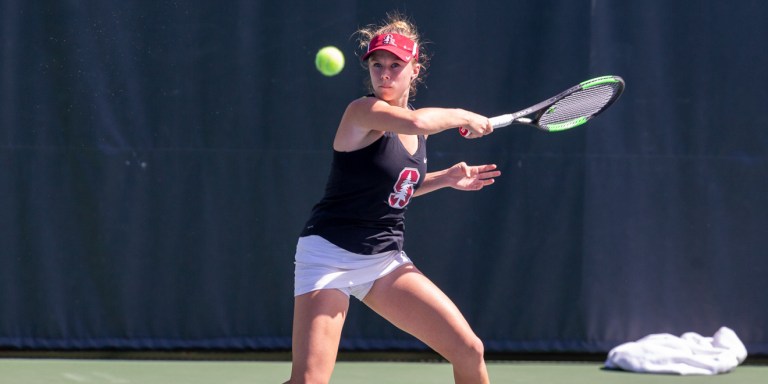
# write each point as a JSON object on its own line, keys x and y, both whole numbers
{"x": 471, "y": 352}
{"x": 477, "y": 348}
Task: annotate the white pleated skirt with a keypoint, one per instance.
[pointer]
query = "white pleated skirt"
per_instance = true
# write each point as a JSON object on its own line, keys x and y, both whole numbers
{"x": 322, "y": 265}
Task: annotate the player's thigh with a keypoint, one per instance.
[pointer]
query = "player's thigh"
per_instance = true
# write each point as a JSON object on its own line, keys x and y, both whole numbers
{"x": 413, "y": 303}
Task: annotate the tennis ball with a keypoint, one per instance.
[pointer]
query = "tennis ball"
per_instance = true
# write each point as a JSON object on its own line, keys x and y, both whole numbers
{"x": 329, "y": 61}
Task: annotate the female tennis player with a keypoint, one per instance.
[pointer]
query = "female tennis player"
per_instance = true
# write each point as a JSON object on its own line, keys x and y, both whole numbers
{"x": 353, "y": 242}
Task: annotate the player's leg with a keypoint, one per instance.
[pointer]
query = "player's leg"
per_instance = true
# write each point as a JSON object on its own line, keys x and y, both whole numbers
{"x": 318, "y": 318}
{"x": 410, "y": 301}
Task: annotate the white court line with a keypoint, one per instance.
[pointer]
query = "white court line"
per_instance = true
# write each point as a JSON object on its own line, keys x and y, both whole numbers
{"x": 110, "y": 378}
{"x": 75, "y": 377}
{"x": 94, "y": 377}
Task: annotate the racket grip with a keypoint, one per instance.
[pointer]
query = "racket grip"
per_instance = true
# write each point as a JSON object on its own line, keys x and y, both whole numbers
{"x": 496, "y": 122}
{"x": 502, "y": 121}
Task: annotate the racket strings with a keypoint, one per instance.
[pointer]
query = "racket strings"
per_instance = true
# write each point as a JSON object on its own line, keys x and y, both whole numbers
{"x": 584, "y": 103}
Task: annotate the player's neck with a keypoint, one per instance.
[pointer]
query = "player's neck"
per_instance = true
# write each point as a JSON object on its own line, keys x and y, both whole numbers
{"x": 401, "y": 102}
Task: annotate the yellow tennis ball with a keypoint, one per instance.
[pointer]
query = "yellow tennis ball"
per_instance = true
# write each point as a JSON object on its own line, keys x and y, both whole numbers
{"x": 329, "y": 61}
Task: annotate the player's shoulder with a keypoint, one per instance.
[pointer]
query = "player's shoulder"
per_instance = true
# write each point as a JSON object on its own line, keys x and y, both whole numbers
{"x": 364, "y": 103}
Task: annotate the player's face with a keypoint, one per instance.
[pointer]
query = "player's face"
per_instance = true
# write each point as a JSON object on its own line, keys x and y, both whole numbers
{"x": 391, "y": 77}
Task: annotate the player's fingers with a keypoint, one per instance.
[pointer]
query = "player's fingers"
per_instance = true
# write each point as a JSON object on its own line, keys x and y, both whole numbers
{"x": 488, "y": 127}
{"x": 479, "y": 184}
{"x": 466, "y": 169}
{"x": 487, "y": 168}
{"x": 471, "y": 133}
{"x": 490, "y": 174}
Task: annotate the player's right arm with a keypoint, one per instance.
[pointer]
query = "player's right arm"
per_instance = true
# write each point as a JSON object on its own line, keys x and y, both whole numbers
{"x": 366, "y": 119}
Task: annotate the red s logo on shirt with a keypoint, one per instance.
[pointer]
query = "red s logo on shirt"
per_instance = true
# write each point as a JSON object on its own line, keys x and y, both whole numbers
{"x": 404, "y": 188}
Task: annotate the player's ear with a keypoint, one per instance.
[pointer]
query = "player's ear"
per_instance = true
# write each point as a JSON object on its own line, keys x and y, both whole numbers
{"x": 416, "y": 69}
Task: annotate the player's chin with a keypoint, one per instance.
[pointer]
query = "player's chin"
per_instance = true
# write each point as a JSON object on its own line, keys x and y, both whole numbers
{"x": 386, "y": 93}
{"x": 383, "y": 89}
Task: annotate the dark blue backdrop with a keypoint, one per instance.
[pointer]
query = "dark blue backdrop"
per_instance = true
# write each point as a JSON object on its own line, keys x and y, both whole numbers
{"x": 159, "y": 159}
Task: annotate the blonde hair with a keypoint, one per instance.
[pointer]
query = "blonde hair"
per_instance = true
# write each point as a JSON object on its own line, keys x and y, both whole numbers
{"x": 395, "y": 22}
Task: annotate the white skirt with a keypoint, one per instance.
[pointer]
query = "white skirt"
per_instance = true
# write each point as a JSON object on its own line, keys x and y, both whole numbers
{"x": 322, "y": 265}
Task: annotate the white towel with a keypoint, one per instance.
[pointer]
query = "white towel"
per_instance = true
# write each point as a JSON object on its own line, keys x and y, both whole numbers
{"x": 689, "y": 354}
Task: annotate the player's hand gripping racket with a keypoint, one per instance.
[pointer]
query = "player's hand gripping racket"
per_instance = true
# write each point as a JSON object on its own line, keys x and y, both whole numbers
{"x": 571, "y": 108}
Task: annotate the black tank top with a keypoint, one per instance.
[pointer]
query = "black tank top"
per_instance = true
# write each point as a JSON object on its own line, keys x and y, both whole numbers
{"x": 367, "y": 194}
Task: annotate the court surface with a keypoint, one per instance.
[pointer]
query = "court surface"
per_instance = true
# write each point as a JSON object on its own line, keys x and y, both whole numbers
{"x": 70, "y": 371}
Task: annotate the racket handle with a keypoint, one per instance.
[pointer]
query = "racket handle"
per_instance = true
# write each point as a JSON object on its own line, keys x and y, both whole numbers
{"x": 496, "y": 122}
{"x": 502, "y": 120}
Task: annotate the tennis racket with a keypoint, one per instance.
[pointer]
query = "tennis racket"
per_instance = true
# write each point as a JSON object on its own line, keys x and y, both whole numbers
{"x": 571, "y": 108}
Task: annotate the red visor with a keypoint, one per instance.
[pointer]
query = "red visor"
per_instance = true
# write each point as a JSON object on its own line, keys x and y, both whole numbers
{"x": 402, "y": 47}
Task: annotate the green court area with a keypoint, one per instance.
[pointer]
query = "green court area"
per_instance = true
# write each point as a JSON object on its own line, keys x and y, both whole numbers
{"x": 73, "y": 371}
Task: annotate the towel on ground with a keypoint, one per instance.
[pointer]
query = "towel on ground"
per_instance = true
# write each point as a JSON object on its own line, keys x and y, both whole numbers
{"x": 689, "y": 354}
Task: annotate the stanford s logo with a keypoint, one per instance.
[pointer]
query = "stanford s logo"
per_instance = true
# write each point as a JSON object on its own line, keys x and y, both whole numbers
{"x": 404, "y": 188}
{"x": 389, "y": 40}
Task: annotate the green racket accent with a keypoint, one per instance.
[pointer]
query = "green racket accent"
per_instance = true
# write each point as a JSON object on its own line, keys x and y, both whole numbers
{"x": 567, "y": 124}
{"x": 597, "y": 81}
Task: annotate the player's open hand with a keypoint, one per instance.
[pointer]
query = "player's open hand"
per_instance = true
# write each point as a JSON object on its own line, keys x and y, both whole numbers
{"x": 472, "y": 177}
